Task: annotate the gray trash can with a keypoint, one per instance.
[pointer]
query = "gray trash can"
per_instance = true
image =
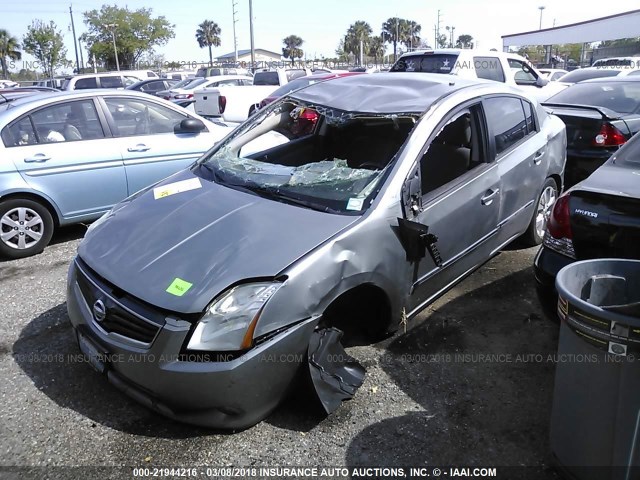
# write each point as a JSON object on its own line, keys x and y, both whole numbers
{"x": 595, "y": 421}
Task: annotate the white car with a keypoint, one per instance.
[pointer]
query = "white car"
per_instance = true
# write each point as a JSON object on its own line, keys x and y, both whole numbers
{"x": 8, "y": 84}
{"x": 504, "y": 67}
{"x": 181, "y": 93}
{"x": 118, "y": 80}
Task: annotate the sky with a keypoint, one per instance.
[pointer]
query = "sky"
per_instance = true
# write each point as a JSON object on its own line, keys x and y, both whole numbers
{"x": 321, "y": 24}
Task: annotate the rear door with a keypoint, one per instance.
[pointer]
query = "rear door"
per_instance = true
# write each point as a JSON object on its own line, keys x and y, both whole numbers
{"x": 62, "y": 151}
{"x": 149, "y": 147}
{"x": 520, "y": 152}
{"x": 459, "y": 202}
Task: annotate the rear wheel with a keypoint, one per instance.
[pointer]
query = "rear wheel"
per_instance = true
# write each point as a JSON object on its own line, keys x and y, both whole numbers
{"x": 535, "y": 233}
{"x": 26, "y": 227}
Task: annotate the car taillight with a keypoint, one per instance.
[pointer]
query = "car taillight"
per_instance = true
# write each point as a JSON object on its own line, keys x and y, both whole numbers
{"x": 608, "y": 136}
{"x": 559, "y": 236}
{"x": 222, "y": 103}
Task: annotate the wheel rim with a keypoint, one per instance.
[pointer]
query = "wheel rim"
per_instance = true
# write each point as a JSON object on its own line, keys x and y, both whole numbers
{"x": 545, "y": 204}
{"x": 21, "y": 228}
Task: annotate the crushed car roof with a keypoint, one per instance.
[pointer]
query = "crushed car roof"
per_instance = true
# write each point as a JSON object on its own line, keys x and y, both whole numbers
{"x": 384, "y": 93}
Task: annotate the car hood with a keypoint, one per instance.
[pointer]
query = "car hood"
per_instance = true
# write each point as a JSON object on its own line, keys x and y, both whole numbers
{"x": 614, "y": 178}
{"x": 211, "y": 236}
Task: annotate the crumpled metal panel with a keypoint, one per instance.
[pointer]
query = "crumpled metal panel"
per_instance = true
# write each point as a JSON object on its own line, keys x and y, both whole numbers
{"x": 382, "y": 93}
{"x": 335, "y": 375}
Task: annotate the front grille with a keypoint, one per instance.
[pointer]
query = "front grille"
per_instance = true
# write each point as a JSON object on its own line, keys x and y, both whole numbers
{"x": 124, "y": 316}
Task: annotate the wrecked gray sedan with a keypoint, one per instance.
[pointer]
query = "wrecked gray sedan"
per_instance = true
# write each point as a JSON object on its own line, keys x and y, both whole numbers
{"x": 347, "y": 206}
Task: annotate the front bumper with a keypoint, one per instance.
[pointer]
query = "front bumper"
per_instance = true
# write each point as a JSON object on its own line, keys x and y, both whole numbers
{"x": 546, "y": 266}
{"x": 232, "y": 394}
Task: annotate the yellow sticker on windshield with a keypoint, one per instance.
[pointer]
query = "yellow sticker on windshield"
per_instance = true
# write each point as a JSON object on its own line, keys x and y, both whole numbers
{"x": 176, "y": 187}
{"x": 179, "y": 287}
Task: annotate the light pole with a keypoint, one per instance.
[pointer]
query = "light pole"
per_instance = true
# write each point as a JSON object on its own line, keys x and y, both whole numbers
{"x": 253, "y": 50}
{"x": 541, "y": 8}
{"x": 112, "y": 27}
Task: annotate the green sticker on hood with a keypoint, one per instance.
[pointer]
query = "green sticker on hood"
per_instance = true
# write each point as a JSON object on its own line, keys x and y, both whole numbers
{"x": 179, "y": 287}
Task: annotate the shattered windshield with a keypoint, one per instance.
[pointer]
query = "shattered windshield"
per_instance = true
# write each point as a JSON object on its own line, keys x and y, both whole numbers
{"x": 310, "y": 155}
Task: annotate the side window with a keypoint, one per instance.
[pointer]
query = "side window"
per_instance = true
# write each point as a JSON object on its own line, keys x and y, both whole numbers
{"x": 556, "y": 76}
{"x": 110, "y": 82}
{"x": 489, "y": 68}
{"x": 19, "y": 133}
{"x": 456, "y": 149}
{"x": 152, "y": 86}
{"x": 68, "y": 122}
{"x": 130, "y": 80}
{"x": 89, "y": 82}
{"x": 522, "y": 73}
{"x": 506, "y": 119}
{"x": 246, "y": 82}
{"x": 139, "y": 117}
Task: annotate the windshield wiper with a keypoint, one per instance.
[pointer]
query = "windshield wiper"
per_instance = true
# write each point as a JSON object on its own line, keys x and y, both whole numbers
{"x": 274, "y": 193}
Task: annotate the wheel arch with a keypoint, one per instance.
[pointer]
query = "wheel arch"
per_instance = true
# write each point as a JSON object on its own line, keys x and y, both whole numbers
{"x": 41, "y": 199}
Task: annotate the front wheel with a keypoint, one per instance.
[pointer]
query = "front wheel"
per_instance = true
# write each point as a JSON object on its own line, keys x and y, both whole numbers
{"x": 538, "y": 225}
{"x": 26, "y": 227}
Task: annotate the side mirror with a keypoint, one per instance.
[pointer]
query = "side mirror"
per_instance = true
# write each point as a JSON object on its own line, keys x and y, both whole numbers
{"x": 189, "y": 125}
{"x": 541, "y": 82}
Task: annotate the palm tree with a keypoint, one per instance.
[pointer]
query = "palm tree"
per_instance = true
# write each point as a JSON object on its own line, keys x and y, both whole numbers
{"x": 391, "y": 34}
{"x": 376, "y": 48}
{"x": 357, "y": 34}
{"x": 8, "y": 49}
{"x": 410, "y": 35}
{"x": 292, "y": 48}
{"x": 208, "y": 35}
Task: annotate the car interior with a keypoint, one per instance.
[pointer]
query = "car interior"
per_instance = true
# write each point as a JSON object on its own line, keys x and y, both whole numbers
{"x": 454, "y": 151}
{"x": 364, "y": 143}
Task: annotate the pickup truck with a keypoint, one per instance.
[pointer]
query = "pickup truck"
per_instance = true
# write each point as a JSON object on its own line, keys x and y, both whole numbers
{"x": 504, "y": 67}
{"x": 236, "y": 104}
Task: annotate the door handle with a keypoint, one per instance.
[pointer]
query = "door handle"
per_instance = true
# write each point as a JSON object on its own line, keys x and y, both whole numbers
{"x": 488, "y": 198}
{"x": 37, "y": 158}
{"x": 141, "y": 147}
{"x": 537, "y": 158}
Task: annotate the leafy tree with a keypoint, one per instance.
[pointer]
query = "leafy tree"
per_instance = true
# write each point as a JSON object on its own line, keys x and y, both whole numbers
{"x": 359, "y": 33}
{"x": 208, "y": 35}
{"x": 46, "y": 44}
{"x": 342, "y": 55}
{"x": 292, "y": 48}
{"x": 8, "y": 49}
{"x": 136, "y": 33}
{"x": 376, "y": 48}
{"x": 442, "y": 41}
{"x": 464, "y": 41}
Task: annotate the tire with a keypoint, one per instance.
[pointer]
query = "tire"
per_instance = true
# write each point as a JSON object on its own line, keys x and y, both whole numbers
{"x": 19, "y": 240}
{"x": 535, "y": 232}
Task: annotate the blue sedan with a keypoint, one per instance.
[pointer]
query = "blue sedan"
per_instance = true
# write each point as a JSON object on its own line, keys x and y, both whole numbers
{"x": 69, "y": 157}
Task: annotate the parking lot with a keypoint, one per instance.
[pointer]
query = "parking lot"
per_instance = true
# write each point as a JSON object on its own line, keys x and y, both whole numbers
{"x": 469, "y": 383}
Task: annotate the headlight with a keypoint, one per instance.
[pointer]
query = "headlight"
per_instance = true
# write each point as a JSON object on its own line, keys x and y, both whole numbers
{"x": 230, "y": 321}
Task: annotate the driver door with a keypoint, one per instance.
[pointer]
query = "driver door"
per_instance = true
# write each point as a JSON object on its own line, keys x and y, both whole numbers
{"x": 451, "y": 216}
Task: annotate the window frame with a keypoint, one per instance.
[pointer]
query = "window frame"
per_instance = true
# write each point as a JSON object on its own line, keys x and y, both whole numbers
{"x": 490, "y": 131}
{"x": 479, "y": 121}
{"x": 106, "y": 130}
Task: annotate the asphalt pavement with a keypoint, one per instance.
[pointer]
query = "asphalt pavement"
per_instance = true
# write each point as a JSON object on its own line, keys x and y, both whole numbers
{"x": 469, "y": 383}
